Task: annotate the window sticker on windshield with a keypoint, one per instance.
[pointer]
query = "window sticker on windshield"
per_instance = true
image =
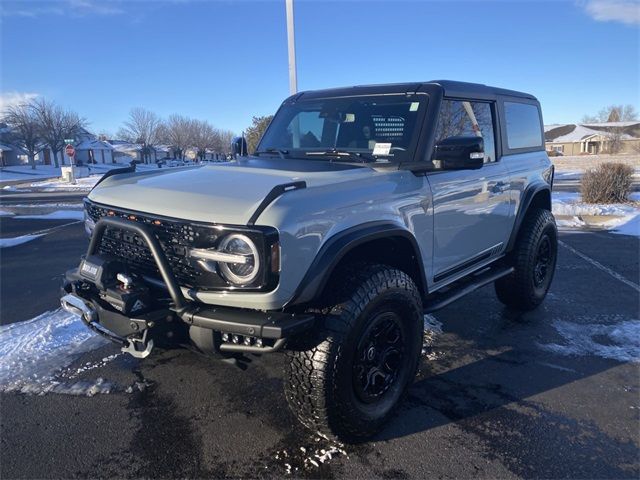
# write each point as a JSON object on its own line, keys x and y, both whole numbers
{"x": 414, "y": 106}
{"x": 382, "y": 149}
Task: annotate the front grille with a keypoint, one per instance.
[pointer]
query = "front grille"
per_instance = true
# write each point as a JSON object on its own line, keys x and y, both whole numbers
{"x": 175, "y": 238}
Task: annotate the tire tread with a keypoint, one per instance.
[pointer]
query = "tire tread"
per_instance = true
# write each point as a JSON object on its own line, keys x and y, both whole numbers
{"x": 515, "y": 290}
{"x": 310, "y": 375}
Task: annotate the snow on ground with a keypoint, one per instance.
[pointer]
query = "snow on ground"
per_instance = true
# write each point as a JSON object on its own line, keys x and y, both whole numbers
{"x": 618, "y": 341}
{"x": 51, "y": 181}
{"x": 12, "y": 242}
{"x": 34, "y": 352}
{"x": 629, "y": 227}
{"x": 25, "y": 172}
{"x": 622, "y": 218}
{"x": 581, "y": 209}
{"x": 56, "y": 185}
{"x": 432, "y": 328}
{"x": 56, "y": 215}
{"x": 309, "y": 457}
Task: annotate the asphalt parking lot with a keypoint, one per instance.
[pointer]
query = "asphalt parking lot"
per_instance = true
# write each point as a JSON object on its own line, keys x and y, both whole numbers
{"x": 547, "y": 394}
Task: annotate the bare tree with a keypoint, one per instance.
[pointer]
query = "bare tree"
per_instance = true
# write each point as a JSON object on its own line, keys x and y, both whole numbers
{"x": 614, "y": 140}
{"x": 178, "y": 131}
{"x": 224, "y": 141}
{"x": 613, "y": 113}
{"x": 205, "y": 137}
{"x": 56, "y": 124}
{"x": 142, "y": 127}
{"x": 614, "y": 135}
{"x": 104, "y": 135}
{"x": 22, "y": 121}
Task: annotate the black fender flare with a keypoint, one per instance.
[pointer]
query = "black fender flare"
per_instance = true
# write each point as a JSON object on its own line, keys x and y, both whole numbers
{"x": 527, "y": 198}
{"x": 338, "y": 246}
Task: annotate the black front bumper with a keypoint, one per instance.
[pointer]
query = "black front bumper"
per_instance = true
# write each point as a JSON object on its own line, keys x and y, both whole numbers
{"x": 272, "y": 327}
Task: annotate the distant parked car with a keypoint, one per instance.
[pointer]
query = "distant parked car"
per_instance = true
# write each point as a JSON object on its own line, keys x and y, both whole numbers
{"x": 175, "y": 163}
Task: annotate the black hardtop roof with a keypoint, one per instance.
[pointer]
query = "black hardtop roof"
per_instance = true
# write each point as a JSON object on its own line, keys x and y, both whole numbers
{"x": 451, "y": 89}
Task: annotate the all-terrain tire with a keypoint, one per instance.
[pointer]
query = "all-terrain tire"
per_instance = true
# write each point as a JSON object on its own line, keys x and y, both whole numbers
{"x": 331, "y": 384}
{"x": 534, "y": 259}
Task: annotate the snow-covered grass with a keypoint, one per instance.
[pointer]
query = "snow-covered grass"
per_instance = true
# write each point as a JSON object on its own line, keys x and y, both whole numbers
{"x": 56, "y": 185}
{"x": 51, "y": 181}
{"x": 34, "y": 352}
{"x": 13, "y": 241}
{"x": 26, "y": 173}
{"x": 618, "y": 341}
{"x": 571, "y": 212}
{"x": 577, "y": 208}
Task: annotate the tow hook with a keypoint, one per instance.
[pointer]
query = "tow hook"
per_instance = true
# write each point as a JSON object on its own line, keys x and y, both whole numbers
{"x": 139, "y": 347}
{"x": 77, "y": 306}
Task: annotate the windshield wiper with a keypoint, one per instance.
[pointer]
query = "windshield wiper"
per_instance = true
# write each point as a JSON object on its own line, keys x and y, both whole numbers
{"x": 279, "y": 151}
{"x": 338, "y": 155}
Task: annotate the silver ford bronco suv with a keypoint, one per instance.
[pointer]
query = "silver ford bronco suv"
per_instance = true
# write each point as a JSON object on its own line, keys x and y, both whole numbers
{"x": 361, "y": 210}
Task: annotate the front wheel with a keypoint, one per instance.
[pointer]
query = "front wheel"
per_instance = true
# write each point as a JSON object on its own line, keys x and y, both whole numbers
{"x": 346, "y": 381}
{"x": 534, "y": 259}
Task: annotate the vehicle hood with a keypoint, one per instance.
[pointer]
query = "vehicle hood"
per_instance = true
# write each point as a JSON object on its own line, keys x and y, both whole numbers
{"x": 224, "y": 194}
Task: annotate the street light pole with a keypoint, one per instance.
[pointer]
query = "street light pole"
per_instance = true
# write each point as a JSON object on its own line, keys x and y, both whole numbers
{"x": 291, "y": 41}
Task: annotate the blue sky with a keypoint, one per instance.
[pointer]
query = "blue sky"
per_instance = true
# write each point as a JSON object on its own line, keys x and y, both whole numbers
{"x": 225, "y": 61}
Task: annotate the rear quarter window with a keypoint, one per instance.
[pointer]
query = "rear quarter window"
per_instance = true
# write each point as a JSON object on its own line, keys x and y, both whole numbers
{"x": 522, "y": 125}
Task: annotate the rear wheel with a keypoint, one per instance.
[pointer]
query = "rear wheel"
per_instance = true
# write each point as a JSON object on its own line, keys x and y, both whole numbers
{"x": 534, "y": 259}
{"x": 347, "y": 379}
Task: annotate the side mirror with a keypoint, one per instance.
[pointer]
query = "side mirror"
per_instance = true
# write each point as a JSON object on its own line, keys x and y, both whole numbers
{"x": 460, "y": 153}
{"x": 239, "y": 146}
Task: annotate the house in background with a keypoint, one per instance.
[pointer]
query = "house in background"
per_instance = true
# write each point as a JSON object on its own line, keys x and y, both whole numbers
{"x": 88, "y": 150}
{"x": 94, "y": 151}
{"x": 125, "y": 152}
{"x": 163, "y": 152}
{"x": 593, "y": 138}
{"x": 12, "y": 155}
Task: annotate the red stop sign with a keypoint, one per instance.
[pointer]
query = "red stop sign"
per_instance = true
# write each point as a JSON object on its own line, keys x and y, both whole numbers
{"x": 69, "y": 150}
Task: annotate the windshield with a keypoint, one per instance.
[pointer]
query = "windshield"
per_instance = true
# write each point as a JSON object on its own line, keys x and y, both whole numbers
{"x": 380, "y": 128}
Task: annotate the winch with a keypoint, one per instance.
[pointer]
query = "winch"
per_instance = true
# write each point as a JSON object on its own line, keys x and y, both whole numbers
{"x": 124, "y": 291}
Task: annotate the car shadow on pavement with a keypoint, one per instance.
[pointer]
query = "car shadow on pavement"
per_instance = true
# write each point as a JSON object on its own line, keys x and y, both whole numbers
{"x": 494, "y": 393}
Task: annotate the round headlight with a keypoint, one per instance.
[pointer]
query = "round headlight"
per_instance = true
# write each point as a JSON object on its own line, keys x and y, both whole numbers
{"x": 240, "y": 273}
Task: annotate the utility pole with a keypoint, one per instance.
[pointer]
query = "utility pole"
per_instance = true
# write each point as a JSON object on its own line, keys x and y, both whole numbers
{"x": 291, "y": 41}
